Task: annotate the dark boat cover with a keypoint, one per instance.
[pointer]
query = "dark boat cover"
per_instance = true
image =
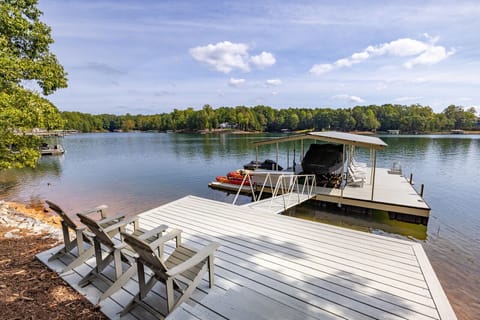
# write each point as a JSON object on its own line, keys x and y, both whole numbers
{"x": 267, "y": 164}
{"x": 323, "y": 158}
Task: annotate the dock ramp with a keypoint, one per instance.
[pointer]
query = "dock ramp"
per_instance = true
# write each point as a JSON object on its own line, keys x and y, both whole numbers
{"x": 288, "y": 190}
{"x": 280, "y": 203}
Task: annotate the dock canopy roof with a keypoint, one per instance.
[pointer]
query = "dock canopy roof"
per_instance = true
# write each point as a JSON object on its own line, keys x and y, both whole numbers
{"x": 334, "y": 137}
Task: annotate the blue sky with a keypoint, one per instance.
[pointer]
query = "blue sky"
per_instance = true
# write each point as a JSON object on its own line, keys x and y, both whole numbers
{"x": 153, "y": 56}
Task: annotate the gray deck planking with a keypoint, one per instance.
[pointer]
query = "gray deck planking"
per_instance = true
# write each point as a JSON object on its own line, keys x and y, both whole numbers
{"x": 389, "y": 189}
{"x": 310, "y": 269}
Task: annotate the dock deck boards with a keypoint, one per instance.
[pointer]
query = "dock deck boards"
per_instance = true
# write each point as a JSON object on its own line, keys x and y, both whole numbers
{"x": 277, "y": 266}
{"x": 392, "y": 192}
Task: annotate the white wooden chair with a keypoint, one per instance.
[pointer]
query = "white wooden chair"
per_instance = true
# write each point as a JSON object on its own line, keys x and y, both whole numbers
{"x": 108, "y": 240}
{"x": 181, "y": 271}
{"x": 81, "y": 234}
{"x": 354, "y": 179}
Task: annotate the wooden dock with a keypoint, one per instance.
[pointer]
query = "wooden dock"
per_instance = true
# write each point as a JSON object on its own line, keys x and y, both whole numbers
{"x": 274, "y": 266}
{"x": 392, "y": 192}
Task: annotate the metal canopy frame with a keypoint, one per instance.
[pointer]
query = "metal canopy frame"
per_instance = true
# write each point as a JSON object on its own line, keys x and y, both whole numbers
{"x": 350, "y": 139}
{"x": 332, "y": 136}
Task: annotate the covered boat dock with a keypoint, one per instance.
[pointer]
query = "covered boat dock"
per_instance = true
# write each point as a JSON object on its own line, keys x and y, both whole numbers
{"x": 373, "y": 188}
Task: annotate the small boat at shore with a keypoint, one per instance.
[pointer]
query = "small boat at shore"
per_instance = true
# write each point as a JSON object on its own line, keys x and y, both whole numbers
{"x": 50, "y": 150}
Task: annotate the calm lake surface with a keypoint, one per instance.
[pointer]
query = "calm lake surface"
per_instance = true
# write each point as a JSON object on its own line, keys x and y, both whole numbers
{"x": 134, "y": 172}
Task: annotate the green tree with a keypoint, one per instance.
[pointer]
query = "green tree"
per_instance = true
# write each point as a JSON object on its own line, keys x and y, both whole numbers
{"x": 25, "y": 58}
{"x": 459, "y": 118}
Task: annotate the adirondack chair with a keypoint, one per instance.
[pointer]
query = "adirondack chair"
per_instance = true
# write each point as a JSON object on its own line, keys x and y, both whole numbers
{"x": 354, "y": 179}
{"x": 181, "y": 271}
{"x": 108, "y": 240}
{"x": 81, "y": 235}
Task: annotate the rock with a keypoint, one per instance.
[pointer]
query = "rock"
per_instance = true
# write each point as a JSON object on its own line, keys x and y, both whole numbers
{"x": 11, "y": 235}
{"x": 10, "y": 217}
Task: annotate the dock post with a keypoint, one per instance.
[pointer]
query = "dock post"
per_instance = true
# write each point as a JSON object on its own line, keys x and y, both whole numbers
{"x": 374, "y": 169}
{"x": 411, "y": 178}
{"x": 288, "y": 155}
{"x": 421, "y": 190}
{"x": 276, "y": 160}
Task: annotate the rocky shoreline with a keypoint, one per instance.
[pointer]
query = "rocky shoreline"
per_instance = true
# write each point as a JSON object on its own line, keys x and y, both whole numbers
{"x": 28, "y": 221}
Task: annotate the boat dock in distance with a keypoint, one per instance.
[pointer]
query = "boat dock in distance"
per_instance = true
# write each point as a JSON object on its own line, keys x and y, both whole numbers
{"x": 360, "y": 185}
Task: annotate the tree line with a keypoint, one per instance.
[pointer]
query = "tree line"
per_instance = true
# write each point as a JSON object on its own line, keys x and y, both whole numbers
{"x": 413, "y": 118}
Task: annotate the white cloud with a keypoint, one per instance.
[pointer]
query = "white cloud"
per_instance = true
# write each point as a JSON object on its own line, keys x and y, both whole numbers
{"x": 431, "y": 55}
{"x": 348, "y": 98}
{"x": 226, "y": 56}
{"x": 265, "y": 59}
{"x": 223, "y": 56}
{"x": 274, "y": 93}
{"x": 400, "y": 48}
{"x": 273, "y": 82}
{"x": 426, "y": 53}
{"x": 321, "y": 68}
{"x": 236, "y": 82}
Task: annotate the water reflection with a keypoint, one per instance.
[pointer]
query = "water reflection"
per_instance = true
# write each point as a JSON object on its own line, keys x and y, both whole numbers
{"x": 374, "y": 221}
{"x": 13, "y": 181}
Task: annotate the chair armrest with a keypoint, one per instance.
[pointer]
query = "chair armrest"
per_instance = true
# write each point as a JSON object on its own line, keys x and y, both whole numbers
{"x": 121, "y": 223}
{"x": 175, "y": 233}
{"x": 154, "y": 232}
{"x": 119, "y": 216}
{"x": 80, "y": 228}
{"x": 194, "y": 260}
{"x": 100, "y": 209}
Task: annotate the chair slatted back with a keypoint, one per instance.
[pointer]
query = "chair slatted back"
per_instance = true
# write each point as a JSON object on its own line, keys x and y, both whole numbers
{"x": 94, "y": 227}
{"x": 68, "y": 221}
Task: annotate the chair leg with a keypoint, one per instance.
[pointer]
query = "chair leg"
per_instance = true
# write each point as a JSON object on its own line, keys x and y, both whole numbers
{"x": 211, "y": 271}
{"x": 119, "y": 282}
{"x": 170, "y": 294}
{"x": 102, "y": 263}
{"x": 189, "y": 290}
{"x": 68, "y": 244}
{"x": 138, "y": 299}
{"x": 79, "y": 260}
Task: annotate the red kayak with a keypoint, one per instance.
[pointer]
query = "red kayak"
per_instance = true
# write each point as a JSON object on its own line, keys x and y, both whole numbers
{"x": 235, "y": 175}
{"x": 238, "y": 181}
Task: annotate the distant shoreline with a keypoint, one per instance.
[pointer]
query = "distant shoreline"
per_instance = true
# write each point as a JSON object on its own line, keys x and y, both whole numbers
{"x": 236, "y": 131}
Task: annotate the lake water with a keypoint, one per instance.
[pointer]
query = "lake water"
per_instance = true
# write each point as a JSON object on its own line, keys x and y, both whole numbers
{"x": 134, "y": 172}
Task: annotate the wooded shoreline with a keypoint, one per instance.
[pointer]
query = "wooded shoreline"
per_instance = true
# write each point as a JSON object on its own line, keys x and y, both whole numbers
{"x": 407, "y": 119}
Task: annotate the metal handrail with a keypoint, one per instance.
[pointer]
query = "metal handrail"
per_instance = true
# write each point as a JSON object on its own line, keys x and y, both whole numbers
{"x": 285, "y": 186}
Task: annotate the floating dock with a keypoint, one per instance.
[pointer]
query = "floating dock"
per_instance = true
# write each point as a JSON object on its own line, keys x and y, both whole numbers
{"x": 272, "y": 266}
{"x": 380, "y": 189}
